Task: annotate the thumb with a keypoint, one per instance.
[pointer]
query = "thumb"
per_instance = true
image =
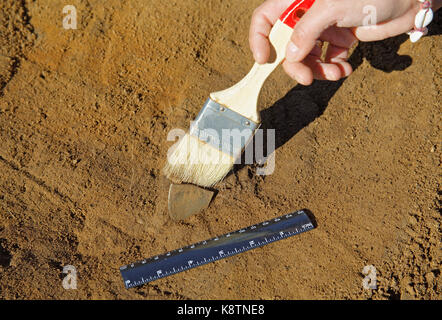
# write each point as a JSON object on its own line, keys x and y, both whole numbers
{"x": 343, "y": 13}
{"x": 322, "y": 14}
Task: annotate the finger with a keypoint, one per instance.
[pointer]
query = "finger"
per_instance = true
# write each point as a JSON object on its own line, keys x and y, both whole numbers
{"x": 321, "y": 70}
{"x": 317, "y": 49}
{"x": 341, "y": 37}
{"x": 299, "y": 72}
{"x": 258, "y": 38}
{"x": 309, "y": 28}
{"x": 263, "y": 19}
{"x": 313, "y": 68}
{"x": 336, "y": 54}
{"x": 342, "y": 13}
{"x": 388, "y": 29}
{"x": 332, "y": 71}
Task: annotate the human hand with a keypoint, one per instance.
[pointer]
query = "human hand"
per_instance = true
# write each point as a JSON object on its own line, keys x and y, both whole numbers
{"x": 339, "y": 22}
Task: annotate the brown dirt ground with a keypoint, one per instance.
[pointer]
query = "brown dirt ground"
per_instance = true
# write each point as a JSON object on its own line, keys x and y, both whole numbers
{"x": 84, "y": 116}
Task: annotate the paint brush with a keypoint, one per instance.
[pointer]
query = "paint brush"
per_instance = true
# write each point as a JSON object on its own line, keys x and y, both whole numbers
{"x": 229, "y": 118}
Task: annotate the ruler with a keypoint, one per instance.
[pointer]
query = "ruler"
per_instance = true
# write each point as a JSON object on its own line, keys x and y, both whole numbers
{"x": 198, "y": 254}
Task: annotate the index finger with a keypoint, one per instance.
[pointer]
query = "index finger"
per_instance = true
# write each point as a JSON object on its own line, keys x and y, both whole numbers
{"x": 263, "y": 19}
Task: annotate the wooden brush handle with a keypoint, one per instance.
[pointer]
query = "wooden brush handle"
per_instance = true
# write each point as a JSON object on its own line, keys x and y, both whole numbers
{"x": 243, "y": 97}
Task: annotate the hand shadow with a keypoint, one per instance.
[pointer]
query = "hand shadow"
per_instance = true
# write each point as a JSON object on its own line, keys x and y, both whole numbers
{"x": 302, "y": 105}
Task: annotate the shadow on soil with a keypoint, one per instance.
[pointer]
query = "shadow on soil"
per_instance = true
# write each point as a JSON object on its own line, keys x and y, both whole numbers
{"x": 303, "y": 104}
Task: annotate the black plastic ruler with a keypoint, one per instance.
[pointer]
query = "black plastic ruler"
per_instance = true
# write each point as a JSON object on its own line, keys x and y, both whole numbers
{"x": 217, "y": 248}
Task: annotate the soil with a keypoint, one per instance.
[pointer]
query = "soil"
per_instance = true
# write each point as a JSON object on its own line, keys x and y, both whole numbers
{"x": 84, "y": 118}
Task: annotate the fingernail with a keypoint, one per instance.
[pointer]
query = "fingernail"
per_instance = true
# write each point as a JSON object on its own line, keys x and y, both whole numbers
{"x": 300, "y": 79}
{"x": 258, "y": 57}
{"x": 292, "y": 52}
{"x": 331, "y": 75}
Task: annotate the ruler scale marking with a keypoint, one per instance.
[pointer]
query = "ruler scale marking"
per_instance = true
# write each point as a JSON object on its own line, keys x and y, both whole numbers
{"x": 214, "y": 249}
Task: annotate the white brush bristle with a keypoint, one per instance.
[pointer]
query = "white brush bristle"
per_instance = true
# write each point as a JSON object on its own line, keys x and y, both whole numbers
{"x": 194, "y": 161}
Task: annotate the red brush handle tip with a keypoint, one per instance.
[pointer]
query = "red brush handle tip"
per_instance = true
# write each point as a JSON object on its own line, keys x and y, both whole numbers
{"x": 296, "y": 10}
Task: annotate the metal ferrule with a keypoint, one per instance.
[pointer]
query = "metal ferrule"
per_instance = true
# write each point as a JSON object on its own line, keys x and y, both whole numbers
{"x": 223, "y": 128}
